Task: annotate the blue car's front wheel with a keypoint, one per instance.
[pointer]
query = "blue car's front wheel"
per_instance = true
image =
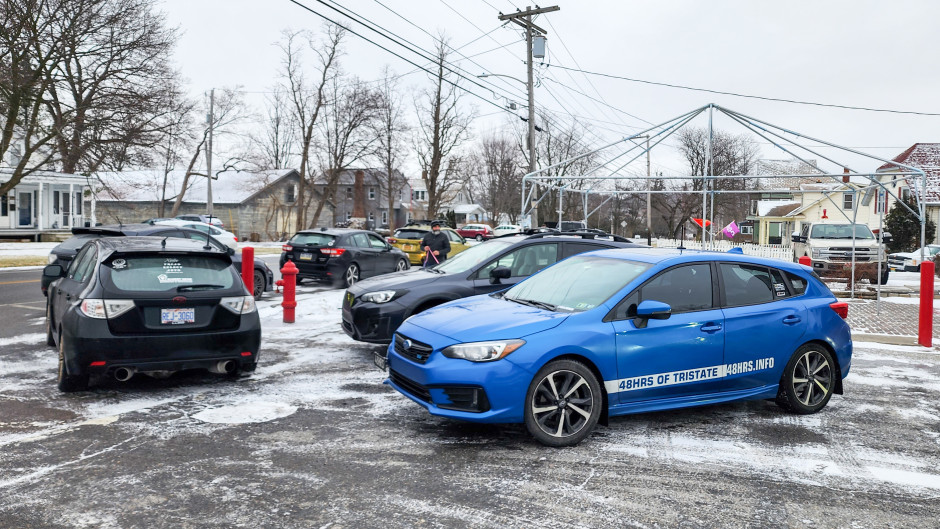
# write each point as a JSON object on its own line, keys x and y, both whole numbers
{"x": 563, "y": 403}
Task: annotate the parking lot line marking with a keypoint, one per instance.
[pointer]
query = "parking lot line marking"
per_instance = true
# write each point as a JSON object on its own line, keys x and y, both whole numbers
{"x": 23, "y": 281}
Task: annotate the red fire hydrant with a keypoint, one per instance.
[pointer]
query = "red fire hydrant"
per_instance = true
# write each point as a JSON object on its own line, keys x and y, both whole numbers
{"x": 289, "y": 273}
{"x": 248, "y": 268}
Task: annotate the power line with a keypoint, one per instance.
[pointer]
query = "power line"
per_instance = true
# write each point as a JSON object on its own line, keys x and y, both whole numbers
{"x": 720, "y": 92}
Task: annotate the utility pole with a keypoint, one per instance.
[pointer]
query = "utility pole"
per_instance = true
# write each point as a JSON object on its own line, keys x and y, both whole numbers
{"x": 524, "y": 19}
{"x": 211, "y": 118}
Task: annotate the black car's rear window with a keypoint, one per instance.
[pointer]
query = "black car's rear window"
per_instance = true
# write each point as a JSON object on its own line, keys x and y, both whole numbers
{"x": 158, "y": 273}
{"x": 312, "y": 239}
{"x": 410, "y": 233}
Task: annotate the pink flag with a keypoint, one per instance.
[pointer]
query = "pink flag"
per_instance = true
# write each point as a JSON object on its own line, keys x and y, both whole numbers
{"x": 731, "y": 230}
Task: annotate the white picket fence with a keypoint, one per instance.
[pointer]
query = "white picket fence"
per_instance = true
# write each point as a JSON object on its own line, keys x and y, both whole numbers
{"x": 772, "y": 251}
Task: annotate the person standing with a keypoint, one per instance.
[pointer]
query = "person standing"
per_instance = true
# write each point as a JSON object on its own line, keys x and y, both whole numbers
{"x": 436, "y": 245}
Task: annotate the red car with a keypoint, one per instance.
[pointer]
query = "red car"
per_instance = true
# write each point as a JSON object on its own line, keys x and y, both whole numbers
{"x": 479, "y": 232}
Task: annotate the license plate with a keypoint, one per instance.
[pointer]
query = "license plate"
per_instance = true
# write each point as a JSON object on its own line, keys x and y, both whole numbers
{"x": 408, "y": 247}
{"x": 380, "y": 361}
{"x": 177, "y": 316}
{"x": 306, "y": 256}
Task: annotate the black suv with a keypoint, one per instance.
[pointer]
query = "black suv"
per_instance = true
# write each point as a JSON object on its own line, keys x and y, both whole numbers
{"x": 373, "y": 309}
{"x": 341, "y": 256}
{"x": 152, "y": 305}
{"x": 63, "y": 253}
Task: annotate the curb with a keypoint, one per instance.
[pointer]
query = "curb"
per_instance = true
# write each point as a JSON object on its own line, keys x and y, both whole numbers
{"x": 890, "y": 339}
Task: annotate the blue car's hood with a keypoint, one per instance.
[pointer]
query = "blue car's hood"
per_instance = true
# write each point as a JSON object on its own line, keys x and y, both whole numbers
{"x": 481, "y": 318}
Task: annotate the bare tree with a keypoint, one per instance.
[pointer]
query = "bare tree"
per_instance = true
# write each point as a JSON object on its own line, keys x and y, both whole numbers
{"x": 179, "y": 135}
{"x": 390, "y": 128}
{"x": 443, "y": 126}
{"x": 307, "y": 98}
{"x": 272, "y": 148}
{"x": 228, "y": 111}
{"x": 346, "y": 132}
{"x": 29, "y": 51}
{"x": 496, "y": 175}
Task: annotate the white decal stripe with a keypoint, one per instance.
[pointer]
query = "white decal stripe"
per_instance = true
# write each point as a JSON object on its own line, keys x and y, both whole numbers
{"x": 688, "y": 376}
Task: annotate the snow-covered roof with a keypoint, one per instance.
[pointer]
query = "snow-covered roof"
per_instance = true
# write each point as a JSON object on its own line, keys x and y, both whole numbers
{"x": 231, "y": 187}
{"x": 47, "y": 177}
{"x": 924, "y": 156}
{"x": 765, "y": 207}
{"x": 370, "y": 176}
{"x": 463, "y": 209}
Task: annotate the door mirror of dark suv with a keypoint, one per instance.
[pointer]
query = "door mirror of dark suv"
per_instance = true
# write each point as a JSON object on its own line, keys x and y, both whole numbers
{"x": 53, "y": 270}
{"x": 651, "y": 310}
{"x": 500, "y": 272}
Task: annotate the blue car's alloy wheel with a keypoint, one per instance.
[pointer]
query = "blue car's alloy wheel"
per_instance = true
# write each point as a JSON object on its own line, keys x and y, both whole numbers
{"x": 563, "y": 403}
{"x": 808, "y": 380}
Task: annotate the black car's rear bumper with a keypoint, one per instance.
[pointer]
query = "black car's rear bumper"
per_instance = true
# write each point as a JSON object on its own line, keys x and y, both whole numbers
{"x": 93, "y": 343}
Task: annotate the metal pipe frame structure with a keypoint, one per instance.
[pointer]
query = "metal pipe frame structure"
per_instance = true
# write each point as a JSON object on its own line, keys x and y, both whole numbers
{"x": 774, "y": 134}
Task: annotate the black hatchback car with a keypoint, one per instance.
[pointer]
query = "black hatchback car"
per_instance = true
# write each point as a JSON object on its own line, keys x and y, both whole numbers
{"x": 341, "y": 256}
{"x": 63, "y": 253}
{"x": 149, "y": 304}
{"x": 373, "y": 309}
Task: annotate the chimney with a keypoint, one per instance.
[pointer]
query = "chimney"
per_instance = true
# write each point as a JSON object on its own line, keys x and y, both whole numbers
{"x": 845, "y": 175}
{"x": 359, "y": 196}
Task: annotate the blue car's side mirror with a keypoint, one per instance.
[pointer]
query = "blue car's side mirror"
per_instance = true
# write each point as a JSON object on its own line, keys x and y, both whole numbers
{"x": 651, "y": 310}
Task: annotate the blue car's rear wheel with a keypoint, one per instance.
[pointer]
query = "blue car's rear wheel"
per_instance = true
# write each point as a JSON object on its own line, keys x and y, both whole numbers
{"x": 808, "y": 380}
{"x": 563, "y": 403}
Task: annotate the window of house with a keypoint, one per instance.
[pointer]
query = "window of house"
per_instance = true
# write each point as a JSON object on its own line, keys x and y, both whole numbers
{"x": 905, "y": 193}
{"x": 371, "y": 193}
{"x": 385, "y": 217}
{"x": 78, "y": 202}
{"x": 4, "y": 208}
{"x": 291, "y": 193}
{"x": 747, "y": 230}
{"x": 348, "y": 215}
{"x": 371, "y": 216}
{"x": 420, "y": 195}
{"x": 848, "y": 200}
{"x": 55, "y": 202}
{"x": 881, "y": 204}
{"x": 349, "y": 192}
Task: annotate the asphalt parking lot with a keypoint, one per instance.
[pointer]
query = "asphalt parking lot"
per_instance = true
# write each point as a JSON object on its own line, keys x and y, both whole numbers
{"x": 314, "y": 439}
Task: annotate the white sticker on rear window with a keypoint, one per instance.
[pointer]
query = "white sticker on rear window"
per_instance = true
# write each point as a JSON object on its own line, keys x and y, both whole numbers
{"x": 164, "y": 279}
{"x": 119, "y": 264}
{"x": 171, "y": 265}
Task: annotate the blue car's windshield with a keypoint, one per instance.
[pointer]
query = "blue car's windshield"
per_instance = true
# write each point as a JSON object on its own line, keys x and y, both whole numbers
{"x": 576, "y": 284}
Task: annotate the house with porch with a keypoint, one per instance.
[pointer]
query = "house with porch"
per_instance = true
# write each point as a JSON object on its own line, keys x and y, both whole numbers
{"x": 923, "y": 156}
{"x": 45, "y": 205}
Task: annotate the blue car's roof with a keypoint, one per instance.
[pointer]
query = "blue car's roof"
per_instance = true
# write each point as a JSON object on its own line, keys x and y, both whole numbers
{"x": 670, "y": 256}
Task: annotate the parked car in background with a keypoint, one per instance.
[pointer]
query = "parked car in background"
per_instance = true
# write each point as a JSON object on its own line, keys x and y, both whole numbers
{"x": 572, "y": 225}
{"x": 831, "y": 246}
{"x": 208, "y": 219}
{"x": 225, "y": 237}
{"x": 374, "y": 308}
{"x": 152, "y": 305}
{"x": 408, "y": 240}
{"x": 632, "y": 331}
{"x": 480, "y": 232}
{"x": 341, "y": 256}
{"x": 910, "y": 261}
{"x": 507, "y": 229}
{"x": 63, "y": 252}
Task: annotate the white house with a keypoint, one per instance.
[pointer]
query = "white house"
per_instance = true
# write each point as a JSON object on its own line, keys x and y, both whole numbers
{"x": 45, "y": 202}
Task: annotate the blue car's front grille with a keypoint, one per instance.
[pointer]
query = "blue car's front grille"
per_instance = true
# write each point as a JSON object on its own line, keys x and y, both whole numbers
{"x": 412, "y": 350}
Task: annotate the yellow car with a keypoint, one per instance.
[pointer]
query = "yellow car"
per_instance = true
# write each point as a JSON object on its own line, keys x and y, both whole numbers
{"x": 408, "y": 240}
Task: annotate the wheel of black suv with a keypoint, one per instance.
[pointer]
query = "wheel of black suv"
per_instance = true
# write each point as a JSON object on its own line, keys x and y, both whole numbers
{"x": 808, "y": 380}
{"x": 352, "y": 275}
{"x": 259, "y": 284}
{"x": 69, "y": 383}
{"x": 563, "y": 403}
{"x": 402, "y": 265}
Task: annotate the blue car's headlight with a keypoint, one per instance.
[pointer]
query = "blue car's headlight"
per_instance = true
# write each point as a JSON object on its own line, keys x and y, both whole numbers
{"x": 483, "y": 351}
{"x": 379, "y": 296}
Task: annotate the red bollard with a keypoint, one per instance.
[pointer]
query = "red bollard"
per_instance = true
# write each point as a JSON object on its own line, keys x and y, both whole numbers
{"x": 925, "y": 324}
{"x": 248, "y": 268}
{"x": 805, "y": 260}
{"x": 289, "y": 273}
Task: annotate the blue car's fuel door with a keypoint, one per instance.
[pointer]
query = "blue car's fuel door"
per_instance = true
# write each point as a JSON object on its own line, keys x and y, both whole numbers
{"x": 668, "y": 354}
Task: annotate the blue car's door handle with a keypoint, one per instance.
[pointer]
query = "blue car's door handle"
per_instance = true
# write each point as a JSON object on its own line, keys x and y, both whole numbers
{"x": 790, "y": 320}
{"x": 711, "y": 327}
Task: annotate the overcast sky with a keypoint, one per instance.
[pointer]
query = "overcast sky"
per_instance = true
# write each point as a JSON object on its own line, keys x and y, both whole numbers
{"x": 864, "y": 53}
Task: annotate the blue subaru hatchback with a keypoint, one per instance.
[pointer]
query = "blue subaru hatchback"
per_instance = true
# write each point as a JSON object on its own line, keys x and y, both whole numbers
{"x": 615, "y": 332}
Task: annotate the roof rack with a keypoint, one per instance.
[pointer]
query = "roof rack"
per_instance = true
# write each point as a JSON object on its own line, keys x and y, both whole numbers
{"x": 582, "y": 234}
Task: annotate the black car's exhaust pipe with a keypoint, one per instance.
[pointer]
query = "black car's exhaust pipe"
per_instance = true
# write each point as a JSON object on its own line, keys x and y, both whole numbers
{"x": 123, "y": 374}
{"x": 226, "y": 367}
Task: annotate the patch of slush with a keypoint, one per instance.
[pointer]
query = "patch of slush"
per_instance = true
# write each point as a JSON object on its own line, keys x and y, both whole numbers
{"x": 32, "y": 338}
{"x": 864, "y": 346}
{"x": 249, "y": 412}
